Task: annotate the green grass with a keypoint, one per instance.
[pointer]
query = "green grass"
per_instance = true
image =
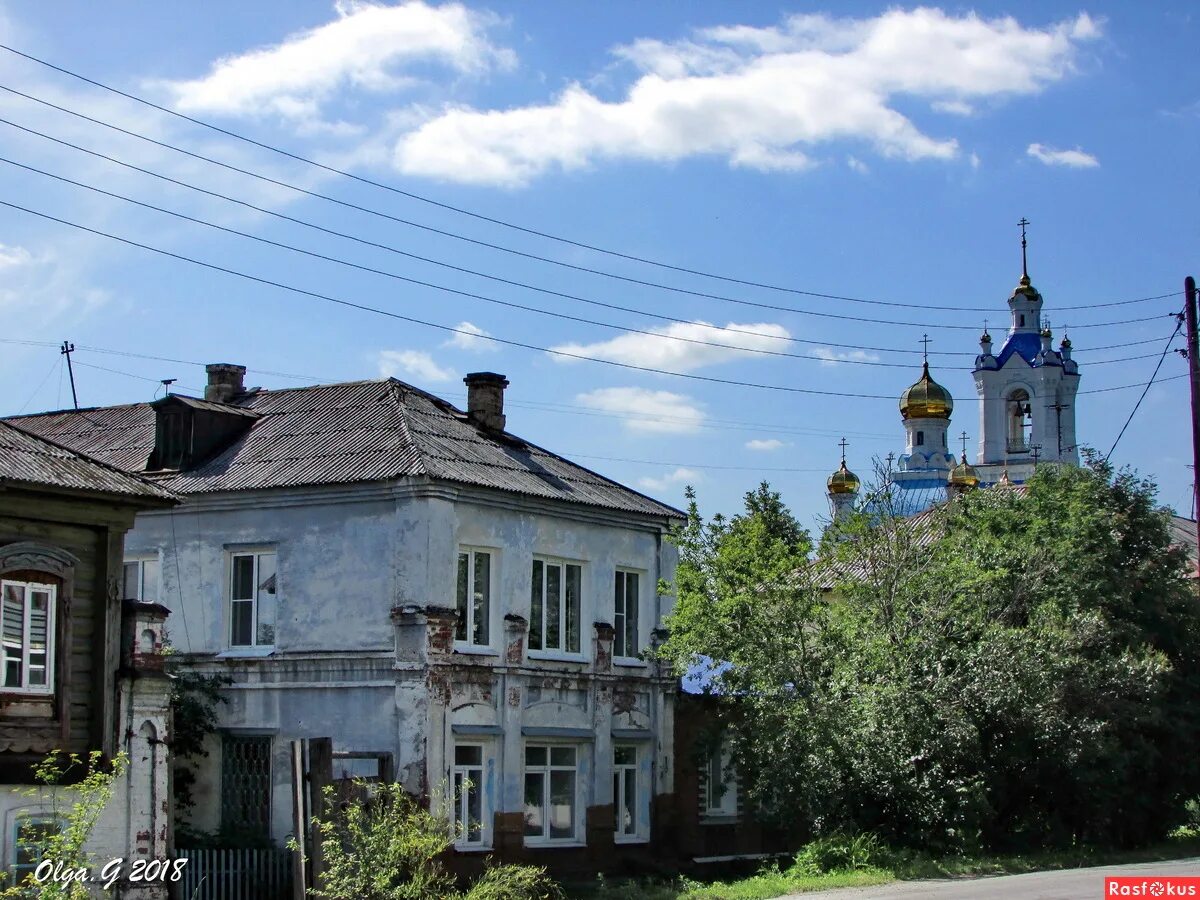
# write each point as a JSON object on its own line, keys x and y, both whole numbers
{"x": 775, "y": 882}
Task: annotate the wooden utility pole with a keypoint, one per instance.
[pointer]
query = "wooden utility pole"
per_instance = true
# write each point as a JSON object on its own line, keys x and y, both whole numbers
{"x": 66, "y": 350}
{"x": 1193, "y": 358}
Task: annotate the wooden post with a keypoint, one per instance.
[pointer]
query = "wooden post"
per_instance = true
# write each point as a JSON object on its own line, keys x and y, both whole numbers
{"x": 1193, "y": 355}
{"x": 301, "y": 816}
{"x": 320, "y": 775}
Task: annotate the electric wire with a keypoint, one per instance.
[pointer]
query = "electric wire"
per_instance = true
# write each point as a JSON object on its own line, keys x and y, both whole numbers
{"x": 1133, "y": 412}
{"x": 41, "y": 384}
{"x": 550, "y": 260}
{"x": 482, "y": 297}
{"x": 708, "y": 379}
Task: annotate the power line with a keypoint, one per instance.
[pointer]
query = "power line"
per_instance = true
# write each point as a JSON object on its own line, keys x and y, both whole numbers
{"x": 533, "y": 256}
{"x": 1133, "y": 412}
{"x": 41, "y": 384}
{"x": 470, "y": 294}
{"x": 708, "y": 379}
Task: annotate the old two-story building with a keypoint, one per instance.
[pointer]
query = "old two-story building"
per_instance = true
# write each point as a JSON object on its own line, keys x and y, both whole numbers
{"x": 444, "y": 599}
{"x": 82, "y": 669}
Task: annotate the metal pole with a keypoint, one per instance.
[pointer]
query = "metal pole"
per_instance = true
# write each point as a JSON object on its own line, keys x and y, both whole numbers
{"x": 1193, "y": 354}
{"x": 67, "y": 349}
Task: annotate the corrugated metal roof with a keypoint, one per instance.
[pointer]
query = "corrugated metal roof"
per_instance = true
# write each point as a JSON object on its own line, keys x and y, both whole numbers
{"x": 28, "y": 459}
{"x": 345, "y": 433}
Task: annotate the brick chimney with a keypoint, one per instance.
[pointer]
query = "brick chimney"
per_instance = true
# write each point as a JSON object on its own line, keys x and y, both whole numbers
{"x": 225, "y": 381}
{"x": 485, "y": 399}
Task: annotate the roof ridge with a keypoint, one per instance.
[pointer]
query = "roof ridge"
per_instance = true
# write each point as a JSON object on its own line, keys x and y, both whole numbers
{"x": 396, "y": 392}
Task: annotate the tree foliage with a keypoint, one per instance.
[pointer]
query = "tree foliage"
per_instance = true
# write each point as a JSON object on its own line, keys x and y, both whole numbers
{"x": 388, "y": 847}
{"x": 1016, "y": 668}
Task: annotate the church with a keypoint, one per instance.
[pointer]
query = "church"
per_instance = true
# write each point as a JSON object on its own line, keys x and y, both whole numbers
{"x": 1026, "y": 416}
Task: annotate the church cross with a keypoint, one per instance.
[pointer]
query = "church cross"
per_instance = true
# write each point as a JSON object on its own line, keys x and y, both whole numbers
{"x": 1024, "y": 265}
{"x": 1036, "y": 450}
{"x": 964, "y": 446}
{"x": 842, "y": 444}
{"x": 925, "y": 342}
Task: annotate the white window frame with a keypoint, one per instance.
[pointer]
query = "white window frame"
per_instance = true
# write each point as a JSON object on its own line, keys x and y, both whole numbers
{"x": 470, "y": 552}
{"x": 544, "y": 839}
{"x": 621, "y": 615}
{"x": 721, "y": 803}
{"x": 140, "y": 592}
{"x": 18, "y": 821}
{"x": 564, "y": 638}
{"x": 24, "y": 687}
{"x": 463, "y": 838}
{"x": 257, "y": 553}
{"x": 623, "y": 774}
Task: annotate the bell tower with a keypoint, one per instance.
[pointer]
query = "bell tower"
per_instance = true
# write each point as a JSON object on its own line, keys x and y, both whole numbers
{"x": 1026, "y": 391}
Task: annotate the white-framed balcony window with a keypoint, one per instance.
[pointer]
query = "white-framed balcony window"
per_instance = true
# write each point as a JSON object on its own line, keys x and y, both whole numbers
{"x": 142, "y": 578}
{"x": 551, "y": 793}
{"x": 27, "y": 622}
{"x": 625, "y": 792}
{"x": 555, "y": 604}
{"x": 252, "y": 594}
{"x": 474, "y": 597}
{"x": 471, "y": 831}
{"x": 720, "y": 783}
{"x": 625, "y": 614}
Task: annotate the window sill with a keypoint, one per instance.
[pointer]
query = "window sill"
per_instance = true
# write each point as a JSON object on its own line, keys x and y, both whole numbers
{"x": 475, "y": 650}
{"x": 556, "y": 656}
{"x": 246, "y": 653}
{"x": 543, "y": 844}
{"x": 473, "y": 848}
{"x": 630, "y": 839}
{"x": 631, "y": 662}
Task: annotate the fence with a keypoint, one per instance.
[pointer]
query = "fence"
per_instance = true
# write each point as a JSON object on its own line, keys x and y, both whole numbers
{"x": 236, "y": 874}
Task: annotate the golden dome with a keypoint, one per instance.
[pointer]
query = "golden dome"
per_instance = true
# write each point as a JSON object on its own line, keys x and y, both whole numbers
{"x": 1025, "y": 286}
{"x": 926, "y": 399}
{"x": 843, "y": 481}
{"x": 964, "y": 475}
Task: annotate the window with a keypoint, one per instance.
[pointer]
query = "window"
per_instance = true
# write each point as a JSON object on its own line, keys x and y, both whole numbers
{"x": 1022, "y": 321}
{"x": 246, "y": 786}
{"x": 625, "y": 794}
{"x": 142, "y": 580}
{"x": 30, "y": 834}
{"x": 554, "y": 610}
{"x": 920, "y": 439}
{"x": 252, "y": 600}
{"x": 27, "y": 636}
{"x": 1020, "y": 420}
{"x": 467, "y": 778}
{"x": 625, "y": 615}
{"x": 474, "y": 597}
{"x": 721, "y": 782}
{"x": 550, "y": 801}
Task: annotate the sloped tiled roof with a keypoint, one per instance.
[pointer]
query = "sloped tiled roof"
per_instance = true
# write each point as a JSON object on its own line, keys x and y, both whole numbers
{"x": 1183, "y": 534}
{"x": 346, "y": 433}
{"x": 26, "y": 459}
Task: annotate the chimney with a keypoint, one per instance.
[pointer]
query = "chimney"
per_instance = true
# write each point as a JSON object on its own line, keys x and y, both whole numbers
{"x": 485, "y": 399}
{"x": 224, "y": 381}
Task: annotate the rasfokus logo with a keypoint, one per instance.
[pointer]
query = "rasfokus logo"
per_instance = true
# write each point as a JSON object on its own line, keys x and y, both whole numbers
{"x": 1152, "y": 886}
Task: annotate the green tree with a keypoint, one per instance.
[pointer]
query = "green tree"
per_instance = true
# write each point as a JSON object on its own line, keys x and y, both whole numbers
{"x": 1015, "y": 668}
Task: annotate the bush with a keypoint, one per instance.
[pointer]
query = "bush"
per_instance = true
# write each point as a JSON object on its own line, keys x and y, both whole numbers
{"x": 387, "y": 847}
{"x": 841, "y": 853}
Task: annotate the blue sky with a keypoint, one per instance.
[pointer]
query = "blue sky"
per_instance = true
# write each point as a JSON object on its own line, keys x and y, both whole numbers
{"x": 864, "y": 151}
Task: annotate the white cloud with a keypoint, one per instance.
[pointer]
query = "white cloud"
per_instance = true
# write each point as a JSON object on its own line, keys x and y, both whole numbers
{"x": 673, "y": 347}
{"x": 831, "y": 357}
{"x": 1075, "y": 159}
{"x": 759, "y": 97}
{"x": 414, "y": 363}
{"x": 362, "y": 48}
{"x": 661, "y": 412}
{"x": 470, "y": 337}
{"x": 953, "y": 107}
{"x": 680, "y": 476}
{"x": 857, "y": 165}
{"x": 765, "y": 444}
{"x": 13, "y": 257}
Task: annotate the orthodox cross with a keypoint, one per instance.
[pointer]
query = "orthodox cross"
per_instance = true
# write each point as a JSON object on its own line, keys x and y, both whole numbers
{"x": 1036, "y": 450}
{"x": 1024, "y": 266}
{"x": 842, "y": 444}
{"x": 964, "y": 445}
{"x": 925, "y": 342}
{"x": 1058, "y": 406}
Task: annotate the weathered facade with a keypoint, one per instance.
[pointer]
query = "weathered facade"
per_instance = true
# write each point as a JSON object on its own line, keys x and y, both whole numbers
{"x": 368, "y": 563}
{"x": 82, "y": 671}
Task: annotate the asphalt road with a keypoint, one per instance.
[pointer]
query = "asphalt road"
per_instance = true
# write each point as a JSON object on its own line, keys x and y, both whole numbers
{"x": 1070, "y": 884}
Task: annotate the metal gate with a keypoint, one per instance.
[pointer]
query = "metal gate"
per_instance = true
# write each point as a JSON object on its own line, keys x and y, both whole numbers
{"x": 236, "y": 874}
